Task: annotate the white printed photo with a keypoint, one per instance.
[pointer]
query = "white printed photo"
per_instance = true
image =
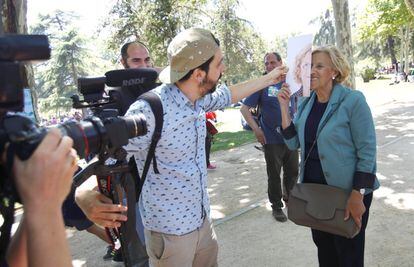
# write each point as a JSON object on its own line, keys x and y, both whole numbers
{"x": 299, "y": 61}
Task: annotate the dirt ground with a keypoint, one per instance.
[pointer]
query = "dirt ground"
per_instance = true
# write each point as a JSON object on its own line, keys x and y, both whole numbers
{"x": 247, "y": 233}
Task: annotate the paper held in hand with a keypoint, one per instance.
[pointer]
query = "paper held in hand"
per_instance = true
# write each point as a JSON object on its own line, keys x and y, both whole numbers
{"x": 299, "y": 57}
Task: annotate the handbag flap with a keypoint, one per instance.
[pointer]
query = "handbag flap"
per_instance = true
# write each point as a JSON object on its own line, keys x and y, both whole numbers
{"x": 321, "y": 200}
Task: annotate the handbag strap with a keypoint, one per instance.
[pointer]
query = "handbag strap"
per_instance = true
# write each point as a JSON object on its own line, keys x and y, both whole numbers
{"x": 317, "y": 135}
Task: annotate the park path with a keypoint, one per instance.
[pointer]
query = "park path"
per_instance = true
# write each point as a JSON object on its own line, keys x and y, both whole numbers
{"x": 247, "y": 233}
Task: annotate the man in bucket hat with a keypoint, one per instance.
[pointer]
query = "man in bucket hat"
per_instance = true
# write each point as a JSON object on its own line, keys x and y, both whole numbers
{"x": 174, "y": 204}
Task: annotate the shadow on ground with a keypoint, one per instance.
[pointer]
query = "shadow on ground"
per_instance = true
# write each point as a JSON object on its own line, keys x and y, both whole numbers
{"x": 239, "y": 180}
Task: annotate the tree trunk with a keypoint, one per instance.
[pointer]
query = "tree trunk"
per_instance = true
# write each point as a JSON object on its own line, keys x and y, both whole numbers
{"x": 13, "y": 20}
{"x": 1, "y": 17}
{"x": 405, "y": 48}
{"x": 407, "y": 38}
{"x": 391, "y": 50}
{"x": 410, "y": 5}
{"x": 343, "y": 35}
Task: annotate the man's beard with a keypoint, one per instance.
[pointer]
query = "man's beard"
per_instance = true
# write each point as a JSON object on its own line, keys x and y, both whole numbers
{"x": 210, "y": 83}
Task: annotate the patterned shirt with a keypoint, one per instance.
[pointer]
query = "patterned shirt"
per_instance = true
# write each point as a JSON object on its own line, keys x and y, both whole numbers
{"x": 175, "y": 201}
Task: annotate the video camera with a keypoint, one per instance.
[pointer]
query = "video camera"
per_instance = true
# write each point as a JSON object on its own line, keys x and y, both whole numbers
{"x": 118, "y": 179}
{"x": 124, "y": 87}
{"x": 93, "y": 135}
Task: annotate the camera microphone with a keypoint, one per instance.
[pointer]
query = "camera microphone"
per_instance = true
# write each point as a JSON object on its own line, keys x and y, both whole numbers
{"x": 127, "y": 85}
{"x": 131, "y": 77}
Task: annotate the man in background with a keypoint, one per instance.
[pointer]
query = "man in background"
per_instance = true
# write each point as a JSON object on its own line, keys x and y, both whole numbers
{"x": 135, "y": 55}
{"x": 277, "y": 154}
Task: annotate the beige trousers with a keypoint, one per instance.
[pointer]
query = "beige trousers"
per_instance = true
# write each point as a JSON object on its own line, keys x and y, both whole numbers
{"x": 196, "y": 249}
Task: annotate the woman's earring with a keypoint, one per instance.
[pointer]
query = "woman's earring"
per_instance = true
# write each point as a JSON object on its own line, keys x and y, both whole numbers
{"x": 333, "y": 77}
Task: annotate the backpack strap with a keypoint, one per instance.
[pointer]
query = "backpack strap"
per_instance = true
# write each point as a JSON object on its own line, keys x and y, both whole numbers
{"x": 156, "y": 106}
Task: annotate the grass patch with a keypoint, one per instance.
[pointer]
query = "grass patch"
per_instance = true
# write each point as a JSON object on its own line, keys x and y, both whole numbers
{"x": 227, "y": 140}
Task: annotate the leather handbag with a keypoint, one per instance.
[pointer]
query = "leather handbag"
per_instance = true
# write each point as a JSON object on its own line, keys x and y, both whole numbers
{"x": 321, "y": 207}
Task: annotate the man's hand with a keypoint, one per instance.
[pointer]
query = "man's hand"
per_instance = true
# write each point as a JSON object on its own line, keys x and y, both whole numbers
{"x": 100, "y": 209}
{"x": 278, "y": 74}
{"x": 260, "y": 136}
{"x": 244, "y": 89}
{"x": 44, "y": 180}
{"x": 355, "y": 207}
{"x": 245, "y": 111}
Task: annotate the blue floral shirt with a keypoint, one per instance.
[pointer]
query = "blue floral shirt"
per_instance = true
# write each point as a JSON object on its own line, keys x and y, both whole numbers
{"x": 175, "y": 201}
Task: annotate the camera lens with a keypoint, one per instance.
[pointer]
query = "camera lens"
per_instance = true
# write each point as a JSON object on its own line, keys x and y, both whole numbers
{"x": 92, "y": 136}
{"x": 88, "y": 135}
{"x": 136, "y": 125}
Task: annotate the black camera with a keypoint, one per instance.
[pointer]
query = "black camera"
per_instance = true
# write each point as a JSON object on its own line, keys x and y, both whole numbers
{"x": 93, "y": 136}
{"x": 13, "y": 50}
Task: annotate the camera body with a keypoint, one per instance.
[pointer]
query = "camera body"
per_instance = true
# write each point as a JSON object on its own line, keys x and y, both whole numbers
{"x": 14, "y": 49}
{"x": 102, "y": 135}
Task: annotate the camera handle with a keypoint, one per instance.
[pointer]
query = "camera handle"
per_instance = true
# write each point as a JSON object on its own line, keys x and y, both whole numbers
{"x": 118, "y": 182}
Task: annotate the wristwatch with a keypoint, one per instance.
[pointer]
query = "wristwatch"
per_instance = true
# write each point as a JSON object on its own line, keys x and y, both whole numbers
{"x": 362, "y": 191}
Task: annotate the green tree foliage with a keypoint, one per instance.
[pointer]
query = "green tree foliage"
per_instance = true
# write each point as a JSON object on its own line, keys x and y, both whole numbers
{"x": 410, "y": 6}
{"x": 157, "y": 22}
{"x": 53, "y": 24}
{"x": 56, "y": 79}
{"x": 371, "y": 51}
{"x": 387, "y": 16}
{"x": 152, "y": 22}
{"x": 326, "y": 32}
{"x": 243, "y": 48}
{"x": 371, "y": 48}
{"x": 389, "y": 21}
{"x": 279, "y": 45}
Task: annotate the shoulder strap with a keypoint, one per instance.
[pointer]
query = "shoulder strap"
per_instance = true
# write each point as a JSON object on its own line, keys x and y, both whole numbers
{"x": 303, "y": 104}
{"x": 156, "y": 106}
{"x": 329, "y": 116}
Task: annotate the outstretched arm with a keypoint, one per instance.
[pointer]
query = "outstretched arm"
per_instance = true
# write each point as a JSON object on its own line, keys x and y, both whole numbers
{"x": 244, "y": 89}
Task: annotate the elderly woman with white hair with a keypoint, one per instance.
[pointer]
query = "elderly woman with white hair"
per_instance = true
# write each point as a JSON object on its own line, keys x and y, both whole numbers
{"x": 335, "y": 132}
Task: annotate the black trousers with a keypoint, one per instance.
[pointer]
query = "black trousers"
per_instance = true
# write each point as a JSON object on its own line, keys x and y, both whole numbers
{"x": 209, "y": 138}
{"x": 279, "y": 156}
{"x": 334, "y": 250}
